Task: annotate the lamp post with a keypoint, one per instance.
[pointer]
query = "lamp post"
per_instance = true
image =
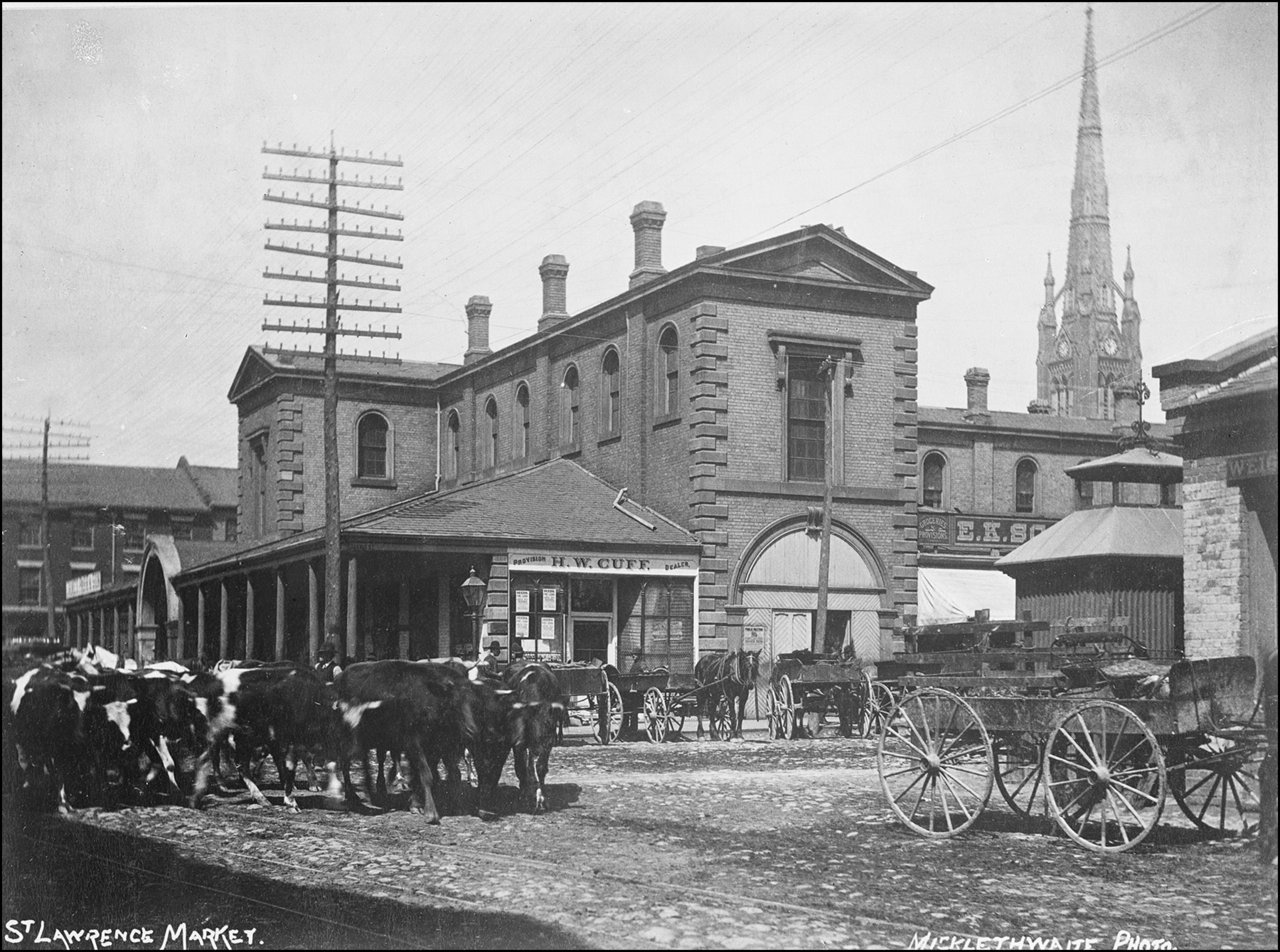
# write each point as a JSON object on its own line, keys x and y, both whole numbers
{"x": 474, "y": 590}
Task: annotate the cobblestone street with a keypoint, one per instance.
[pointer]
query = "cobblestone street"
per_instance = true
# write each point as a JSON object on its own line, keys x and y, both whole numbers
{"x": 683, "y": 845}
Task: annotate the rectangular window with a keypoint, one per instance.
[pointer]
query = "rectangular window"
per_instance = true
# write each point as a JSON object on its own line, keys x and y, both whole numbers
{"x": 258, "y": 483}
{"x": 81, "y": 535}
{"x": 806, "y": 419}
{"x": 180, "y": 529}
{"x": 29, "y": 535}
{"x": 135, "y": 531}
{"x": 29, "y": 586}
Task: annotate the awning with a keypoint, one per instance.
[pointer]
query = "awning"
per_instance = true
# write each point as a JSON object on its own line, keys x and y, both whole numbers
{"x": 956, "y": 594}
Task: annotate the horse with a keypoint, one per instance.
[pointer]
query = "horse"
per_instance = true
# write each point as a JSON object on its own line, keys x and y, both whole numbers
{"x": 730, "y": 676}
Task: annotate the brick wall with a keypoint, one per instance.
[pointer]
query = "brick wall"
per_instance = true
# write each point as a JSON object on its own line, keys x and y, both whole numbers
{"x": 1215, "y": 561}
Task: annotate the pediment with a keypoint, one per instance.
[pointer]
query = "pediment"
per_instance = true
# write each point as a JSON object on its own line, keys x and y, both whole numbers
{"x": 253, "y": 370}
{"x": 821, "y": 253}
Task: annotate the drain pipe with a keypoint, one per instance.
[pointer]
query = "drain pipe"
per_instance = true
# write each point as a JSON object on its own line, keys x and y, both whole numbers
{"x": 438, "y": 473}
{"x": 617, "y": 504}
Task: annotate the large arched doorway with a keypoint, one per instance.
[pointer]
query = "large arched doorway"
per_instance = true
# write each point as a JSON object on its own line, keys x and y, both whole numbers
{"x": 159, "y": 617}
{"x": 777, "y": 581}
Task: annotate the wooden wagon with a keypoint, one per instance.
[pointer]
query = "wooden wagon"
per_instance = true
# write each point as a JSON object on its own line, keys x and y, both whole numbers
{"x": 807, "y": 687}
{"x": 1102, "y": 758}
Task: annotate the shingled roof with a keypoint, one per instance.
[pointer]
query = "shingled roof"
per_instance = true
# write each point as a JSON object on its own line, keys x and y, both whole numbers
{"x": 557, "y": 501}
{"x": 1132, "y": 531}
{"x": 120, "y": 487}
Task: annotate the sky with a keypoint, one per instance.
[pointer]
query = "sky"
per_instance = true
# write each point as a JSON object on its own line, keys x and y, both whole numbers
{"x": 939, "y": 136}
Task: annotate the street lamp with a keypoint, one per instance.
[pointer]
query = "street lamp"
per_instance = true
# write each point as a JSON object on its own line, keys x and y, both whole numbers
{"x": 474, "y": 590}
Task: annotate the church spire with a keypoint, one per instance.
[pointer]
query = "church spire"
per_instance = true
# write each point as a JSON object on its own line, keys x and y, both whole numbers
{"x": 1087, "y": 284}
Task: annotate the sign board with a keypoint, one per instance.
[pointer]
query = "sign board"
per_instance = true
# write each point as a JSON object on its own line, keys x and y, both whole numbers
{"x": 965, "y": 532}
{"x": 84, "y": 585}
{"x": 599, "y": 563}
{"x": 1251, "y": 466}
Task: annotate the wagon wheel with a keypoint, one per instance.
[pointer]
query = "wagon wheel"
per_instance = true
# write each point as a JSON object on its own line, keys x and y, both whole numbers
{"x": 1215, "y": 782}
{"x": 1019, "y": 771}
{"x": 614, "y": 714}
{"x": 935, "y": 762}
{"x": 720, "y": 719}
{"x": 655, "y": 714}
{"x": 876, "y": 706}
{"x": 1104, "y": 777}
{"x": 772, "y": 715}
{"x": 785, "y": 702}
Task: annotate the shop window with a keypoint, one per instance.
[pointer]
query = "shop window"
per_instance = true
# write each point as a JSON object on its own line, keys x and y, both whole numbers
{"x": 489, "y": 457}
{"x": 806, "y": 419}
{"x": 668, "y": 391}
{"x": 591, "y": 595}
{"x": 522, "y": 422}
{"x": 372, "y": 432}
{"x": 610, "y": 393}
{"x": 29, "y": 535}
{"x": 1024, "y": 491}
{"x": 666, "y": 624}
{"x": 453, "y": 446}
{"x": 934, "y": 481}
{"x": 570, "y": 407}
{"x": 29, "y": 586}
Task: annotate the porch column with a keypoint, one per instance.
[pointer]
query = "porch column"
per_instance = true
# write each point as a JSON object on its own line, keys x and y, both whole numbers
{"x": 116, "y": 645}
{"x": 178, "y": 633}
{"x": 313, "y": 611}
{"x": 280, "y": 613}
{"x": 224, "y": 630}
{"x": 402, "y": 623}
{"x": 351, "y": 608}
{"x": 200, "y": 621}
{"x": 248, "y": 616}
{"x": 102, "y": 625}
{"x": 128, "y": 634}
{"x": 444, "y": 637}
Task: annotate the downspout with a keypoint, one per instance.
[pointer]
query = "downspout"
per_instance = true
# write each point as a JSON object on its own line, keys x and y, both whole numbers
{"x": 438, "y": 473}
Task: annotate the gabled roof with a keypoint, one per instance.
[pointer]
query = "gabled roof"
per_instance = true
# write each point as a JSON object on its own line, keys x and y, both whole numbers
{"x": 259, "y": 365}
{"x": 120, "y": 487}
{"x": 1130, "y": 531}
{"x": 1137, "y": 465}
{"x": 557, "y": 501}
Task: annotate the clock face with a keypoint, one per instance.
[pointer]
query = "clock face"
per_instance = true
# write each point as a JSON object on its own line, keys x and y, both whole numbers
{"x": 1109, "y": 346}
{"x": 1064, "y": 347}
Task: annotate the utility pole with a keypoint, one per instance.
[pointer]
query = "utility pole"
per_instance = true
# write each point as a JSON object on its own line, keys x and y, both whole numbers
{"x": 333, "y": 326}
{"x": 827, "y": 369}
{"x": 64, "y": 440}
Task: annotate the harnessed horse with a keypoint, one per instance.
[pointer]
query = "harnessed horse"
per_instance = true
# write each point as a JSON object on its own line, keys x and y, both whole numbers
{"x": 730, "y": 676}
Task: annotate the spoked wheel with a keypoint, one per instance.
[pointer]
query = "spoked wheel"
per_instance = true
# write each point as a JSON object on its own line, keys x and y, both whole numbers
{"x": 935, "y": 762}
{"x": 655, "y": 715}
{"x": 1215, "y": 783}
{"x": 785, "y": 702}
{"x": 720, "y": 719}
{"x": 1020, "y": 771}
{"x": 772, "y": 715}
{"x": 613, "y": 717}
{"x": 877, "y": 703}
{"x": 1104, "y": 777}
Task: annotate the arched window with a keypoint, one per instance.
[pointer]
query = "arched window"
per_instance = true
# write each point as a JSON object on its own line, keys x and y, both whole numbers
{"x": 1024, "y": 486}
{"x": 569, "y": 419}
{"x": 453, "y": 446}
{"x": 668, "y": 372}
{"x": 490, "y": 451}
{"x": 1061, "y": 399}
{"x": 934, "y": 481}
{"x": 610, "y": 393}
{"x": 521, "y": 423}
{"x": 372, "y": 453}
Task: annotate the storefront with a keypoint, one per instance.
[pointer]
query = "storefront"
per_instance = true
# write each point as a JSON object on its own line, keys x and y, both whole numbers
{"x": 585, "y": 606}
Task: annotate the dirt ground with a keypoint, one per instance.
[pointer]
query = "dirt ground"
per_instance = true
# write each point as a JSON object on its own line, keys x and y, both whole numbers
{"x": 688, "y": 844}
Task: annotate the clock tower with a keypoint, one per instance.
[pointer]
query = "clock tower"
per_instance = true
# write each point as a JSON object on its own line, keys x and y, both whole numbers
{"x": 1088, "y": 351}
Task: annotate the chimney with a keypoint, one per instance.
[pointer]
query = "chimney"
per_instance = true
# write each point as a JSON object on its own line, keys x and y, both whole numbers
{"x": 976, "y": 379}
{"x": 554, "y": 269}
{"x": 1039, "y": 407}
{"x": 478, "y": 310}
{"x": 646, "y": 220}
{"x": 706, "y": 251}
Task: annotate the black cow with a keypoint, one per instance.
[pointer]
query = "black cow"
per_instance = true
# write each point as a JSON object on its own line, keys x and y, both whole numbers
{"x": 426, "y": 710}
{"x": 285, "y": 709}
{"x": 45, "y": 708}
{"x": 536, "y": 709}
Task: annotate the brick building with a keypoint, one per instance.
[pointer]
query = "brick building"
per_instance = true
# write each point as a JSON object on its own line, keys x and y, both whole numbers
{"x": 1227, "y": 404}
{"x": 99, "y": 518}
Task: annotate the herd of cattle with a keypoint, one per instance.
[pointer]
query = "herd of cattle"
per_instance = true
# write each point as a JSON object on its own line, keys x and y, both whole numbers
{"x": 80, "y": 731}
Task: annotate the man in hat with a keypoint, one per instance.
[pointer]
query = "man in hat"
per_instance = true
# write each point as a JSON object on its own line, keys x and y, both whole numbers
{"x": 491, "y": 657}
{"x": 327, "y": 666}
